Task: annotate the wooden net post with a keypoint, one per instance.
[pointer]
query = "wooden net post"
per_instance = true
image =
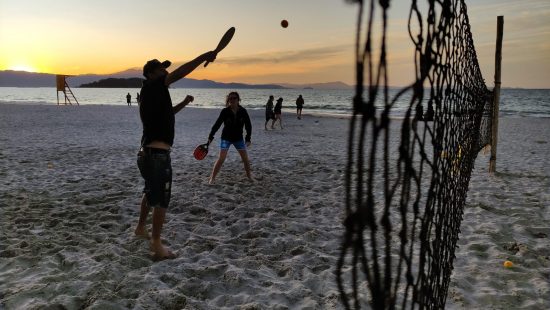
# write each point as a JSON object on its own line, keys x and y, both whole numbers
{"x": 496, "y": 95}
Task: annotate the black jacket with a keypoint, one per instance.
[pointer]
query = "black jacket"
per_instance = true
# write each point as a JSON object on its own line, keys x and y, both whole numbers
{"x": 233, "y": 124}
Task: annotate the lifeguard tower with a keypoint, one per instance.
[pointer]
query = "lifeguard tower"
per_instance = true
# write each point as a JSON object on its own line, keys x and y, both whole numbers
{"x": 61, "y": 81}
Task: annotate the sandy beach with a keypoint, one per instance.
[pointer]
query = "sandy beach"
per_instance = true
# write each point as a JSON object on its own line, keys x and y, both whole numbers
{"x": 70, "y": 193}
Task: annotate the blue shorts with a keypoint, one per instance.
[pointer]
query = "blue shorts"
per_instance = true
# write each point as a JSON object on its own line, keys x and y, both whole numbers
{"x": 155, "y": 167}
{"x": 239, "y": 145}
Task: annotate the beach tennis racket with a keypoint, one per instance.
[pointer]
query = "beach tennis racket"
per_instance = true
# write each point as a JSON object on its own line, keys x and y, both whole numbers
{"x": 224, "y": 41}
{"x": 201, "y": 151}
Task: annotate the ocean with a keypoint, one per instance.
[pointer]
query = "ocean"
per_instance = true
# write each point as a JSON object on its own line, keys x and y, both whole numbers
{"x": 513, "y": 102}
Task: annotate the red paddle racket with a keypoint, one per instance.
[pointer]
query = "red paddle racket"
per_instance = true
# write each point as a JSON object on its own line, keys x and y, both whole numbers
{"x": 201, "y": 151}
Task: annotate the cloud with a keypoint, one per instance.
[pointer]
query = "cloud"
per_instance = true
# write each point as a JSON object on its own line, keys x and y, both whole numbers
{"x": 318, "y": 54}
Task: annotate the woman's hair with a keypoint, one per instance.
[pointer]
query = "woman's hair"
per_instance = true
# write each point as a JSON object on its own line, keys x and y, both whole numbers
{"x": 228, "y": 95}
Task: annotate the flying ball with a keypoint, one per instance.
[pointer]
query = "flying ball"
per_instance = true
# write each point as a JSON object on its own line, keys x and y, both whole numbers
{"x": 284, "y": 23}
{"x": 508, "y": 264}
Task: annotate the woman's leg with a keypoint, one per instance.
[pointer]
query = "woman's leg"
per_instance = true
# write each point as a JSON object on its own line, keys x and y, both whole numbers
{"x": 246, "y": 162}
{"x": 217, "y": 166}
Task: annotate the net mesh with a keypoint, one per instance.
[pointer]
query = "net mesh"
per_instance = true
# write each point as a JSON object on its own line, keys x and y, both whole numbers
{"x": 407, "y": 179}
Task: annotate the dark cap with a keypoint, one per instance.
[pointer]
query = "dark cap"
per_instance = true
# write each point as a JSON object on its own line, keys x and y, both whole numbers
{"x": 152, "y": 65}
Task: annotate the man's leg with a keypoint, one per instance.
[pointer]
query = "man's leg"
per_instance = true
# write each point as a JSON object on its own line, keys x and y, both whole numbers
{"x": 141, "y": 229}
{"x": 160, "y": 252}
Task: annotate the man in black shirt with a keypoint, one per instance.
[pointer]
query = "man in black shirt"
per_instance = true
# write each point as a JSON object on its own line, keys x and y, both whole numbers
{"x": 157, "y": 116}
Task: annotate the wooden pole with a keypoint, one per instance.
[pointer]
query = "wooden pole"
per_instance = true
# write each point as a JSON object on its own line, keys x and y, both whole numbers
{"x": 496, "y": 95}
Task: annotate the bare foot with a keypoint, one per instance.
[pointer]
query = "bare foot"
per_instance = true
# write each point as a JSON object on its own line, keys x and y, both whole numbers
{"x": 160, "y": 252}
{"x": 142, "y": 232}
{"x": 210, "y": 181}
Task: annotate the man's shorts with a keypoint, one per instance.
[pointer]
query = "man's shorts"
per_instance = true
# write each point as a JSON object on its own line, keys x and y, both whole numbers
{"x": 239, "y": 145}
{"x": 155, "y": 167}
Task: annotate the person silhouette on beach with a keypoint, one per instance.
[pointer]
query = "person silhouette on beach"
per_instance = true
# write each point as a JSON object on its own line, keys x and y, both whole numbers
{"x": 137, "y": 98}
{"x": 234, "y": 117}
{"x": 154, "y": 162}
{"x": 299, "y": 106}
{"x": 278, "y": 113}
{"x": 269, "y": 115}
{"x": 129, "y": 99}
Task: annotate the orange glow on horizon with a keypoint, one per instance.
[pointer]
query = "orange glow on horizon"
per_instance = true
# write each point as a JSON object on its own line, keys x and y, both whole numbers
{"x": 23, "y": 67}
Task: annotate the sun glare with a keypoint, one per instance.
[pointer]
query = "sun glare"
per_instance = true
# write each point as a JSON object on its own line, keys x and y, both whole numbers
{"x": 22, "y": 67}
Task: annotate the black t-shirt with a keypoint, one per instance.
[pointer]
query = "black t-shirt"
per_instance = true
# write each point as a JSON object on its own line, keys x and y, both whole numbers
{"x": 233, "y": 124}
{"x": 156, "y": 112}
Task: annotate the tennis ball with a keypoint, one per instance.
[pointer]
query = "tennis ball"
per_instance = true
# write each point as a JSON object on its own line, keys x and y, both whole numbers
{"x": 284, "y": 23}
{"x": 508, "y": 264}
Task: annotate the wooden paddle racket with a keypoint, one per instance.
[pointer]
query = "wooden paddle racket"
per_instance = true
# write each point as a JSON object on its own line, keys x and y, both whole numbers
{"x": 201, "y": 151}
{"x": 224, "y": 41}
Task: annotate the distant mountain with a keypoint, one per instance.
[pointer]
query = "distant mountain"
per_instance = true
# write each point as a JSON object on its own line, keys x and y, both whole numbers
{"x": 329, "y": 85}
{"x": 192, "y": 83}
{"x": 126, "y": 79}
{"x": 115, "y": 83}
{"x": 9, "y": 78}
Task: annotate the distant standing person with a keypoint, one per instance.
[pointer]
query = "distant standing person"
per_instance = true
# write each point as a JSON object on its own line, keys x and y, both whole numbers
{"x": 234, "y": 117}
{"x": 277, "y": 110}
{"x": 154, "y": 162}
{"x": 269, "y": 115}
{"x": 137, "y": 98}
{"x": 299, "y": 106}
{"x": 129, "y": 99}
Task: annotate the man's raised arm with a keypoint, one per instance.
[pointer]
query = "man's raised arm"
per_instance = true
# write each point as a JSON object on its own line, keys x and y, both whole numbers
{"x": 187, "y": 68}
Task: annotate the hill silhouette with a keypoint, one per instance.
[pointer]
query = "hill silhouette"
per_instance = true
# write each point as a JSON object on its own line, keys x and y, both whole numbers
{"x": 115, "y": 83}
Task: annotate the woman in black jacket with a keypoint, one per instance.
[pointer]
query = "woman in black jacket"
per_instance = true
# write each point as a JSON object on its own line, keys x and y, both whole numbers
{"x": 234, "y": 117}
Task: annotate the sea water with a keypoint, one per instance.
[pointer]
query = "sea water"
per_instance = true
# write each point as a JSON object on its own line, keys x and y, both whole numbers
{"x": 513, "y": 102}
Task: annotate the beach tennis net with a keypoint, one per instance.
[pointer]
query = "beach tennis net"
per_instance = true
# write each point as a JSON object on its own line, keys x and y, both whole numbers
{"x": 407, "y": 179}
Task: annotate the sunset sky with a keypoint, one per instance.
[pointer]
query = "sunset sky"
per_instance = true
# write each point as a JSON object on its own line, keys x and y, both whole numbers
{"x": 104, "y": 36}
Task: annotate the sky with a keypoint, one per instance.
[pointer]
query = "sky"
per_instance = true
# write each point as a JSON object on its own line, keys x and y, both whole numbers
{"x": 104, "y": 36}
